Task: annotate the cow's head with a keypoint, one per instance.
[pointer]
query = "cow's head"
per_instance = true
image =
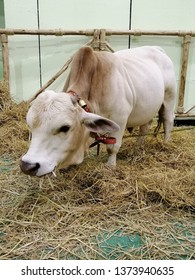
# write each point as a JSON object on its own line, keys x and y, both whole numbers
{"x": 60, "y": 129}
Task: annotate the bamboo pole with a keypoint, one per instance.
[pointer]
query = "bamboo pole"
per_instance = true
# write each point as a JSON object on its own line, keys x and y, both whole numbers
{"x": 190, "y": 109}
{"x": 140, "y": 32}
{"x": 46, "y": 85}
{"x": 103, "y": 40}
{"x": 185, "y": 115}
{"x": 5, "y": 57}
{"x": 56, "y": 32}
{"x": 185, "y": 56}
{"x": 90, "y": 32}
{"x": 109, "y": 47}
{"x": 96, "y": 40}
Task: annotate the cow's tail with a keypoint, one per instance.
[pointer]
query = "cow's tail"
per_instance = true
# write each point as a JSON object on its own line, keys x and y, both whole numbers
{"x": 160, "y": 120}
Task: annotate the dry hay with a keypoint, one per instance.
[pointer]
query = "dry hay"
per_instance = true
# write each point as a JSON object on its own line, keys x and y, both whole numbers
{"x": 142, "y": 209}
{"x": 4, "y": 95}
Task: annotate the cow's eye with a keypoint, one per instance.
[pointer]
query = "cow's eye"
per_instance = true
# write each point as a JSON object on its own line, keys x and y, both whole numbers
{"x": 64, "y": 128}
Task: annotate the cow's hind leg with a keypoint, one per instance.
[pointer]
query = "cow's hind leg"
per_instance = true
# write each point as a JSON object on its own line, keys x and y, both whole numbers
{"x": 166, "y": 113}
{"x": 160, "y": 120}
{"x": 168, "y": 121}
{"x": 143, "y": 130}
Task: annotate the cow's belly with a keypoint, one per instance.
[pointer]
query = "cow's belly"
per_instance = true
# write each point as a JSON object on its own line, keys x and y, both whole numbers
{"x": 141, "y": 117}
{"x": 148, "y": 98}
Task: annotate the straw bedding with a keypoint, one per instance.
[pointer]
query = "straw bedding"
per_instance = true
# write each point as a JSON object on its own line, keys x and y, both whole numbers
{"x": 150, "y": 194}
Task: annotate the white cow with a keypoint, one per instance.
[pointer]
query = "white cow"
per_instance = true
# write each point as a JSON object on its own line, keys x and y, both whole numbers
{"x": 122, "y": 90}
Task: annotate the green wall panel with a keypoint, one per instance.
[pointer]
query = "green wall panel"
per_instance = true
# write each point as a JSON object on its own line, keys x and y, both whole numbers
{"x": 168, "y": 15}
{"x": 75, "y": 15}
{"x": 34, "y": 60}
{"x": 163, "y": 14}
{"x": 23, "y": 50}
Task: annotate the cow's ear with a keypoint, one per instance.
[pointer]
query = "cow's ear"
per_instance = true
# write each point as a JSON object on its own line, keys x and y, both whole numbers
{"x": 74, "y": 100}
{"x": 96, "y": 123}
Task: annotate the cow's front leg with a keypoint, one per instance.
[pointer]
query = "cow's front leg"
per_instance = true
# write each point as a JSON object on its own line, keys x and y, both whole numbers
{"x": 113, "y": 149}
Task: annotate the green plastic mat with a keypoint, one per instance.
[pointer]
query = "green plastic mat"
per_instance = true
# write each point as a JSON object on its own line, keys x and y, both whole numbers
{"x": 6, "y": 164}
{"x": 115, "y": 245}
{"x": 112, "y": 245}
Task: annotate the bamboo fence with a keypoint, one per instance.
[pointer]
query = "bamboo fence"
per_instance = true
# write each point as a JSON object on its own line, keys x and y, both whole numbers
{"x": 99, "y": 43}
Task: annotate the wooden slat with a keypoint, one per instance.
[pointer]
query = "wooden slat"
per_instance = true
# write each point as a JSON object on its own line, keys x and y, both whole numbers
{"x": 5, "y": 57}
{"x": 184, "y": 66}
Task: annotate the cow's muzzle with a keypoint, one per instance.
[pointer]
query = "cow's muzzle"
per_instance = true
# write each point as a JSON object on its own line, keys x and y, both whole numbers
{"x": 29, "y": 168}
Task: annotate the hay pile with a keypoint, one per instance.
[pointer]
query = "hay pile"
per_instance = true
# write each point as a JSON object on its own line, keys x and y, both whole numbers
{"x": 95, "y": 212}
{"x": 4, "y": 95}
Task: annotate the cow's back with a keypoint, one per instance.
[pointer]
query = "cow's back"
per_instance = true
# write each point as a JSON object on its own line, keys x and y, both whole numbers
{"x": 148, "y": 56}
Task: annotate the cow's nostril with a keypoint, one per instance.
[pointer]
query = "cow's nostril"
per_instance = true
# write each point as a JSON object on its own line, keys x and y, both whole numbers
{"x": 36, "y": 167}
{"x": 29, "y": 168}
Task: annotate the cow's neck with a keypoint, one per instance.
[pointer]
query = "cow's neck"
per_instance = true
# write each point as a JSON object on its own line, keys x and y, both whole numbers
{"x": 84, "y": 65}
{"x": 87, "y": 79}
{"x": 82, "y": 93}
